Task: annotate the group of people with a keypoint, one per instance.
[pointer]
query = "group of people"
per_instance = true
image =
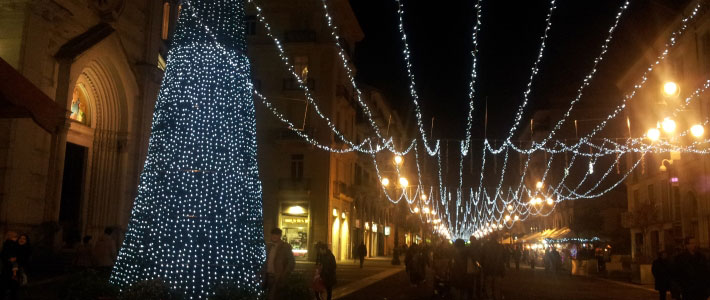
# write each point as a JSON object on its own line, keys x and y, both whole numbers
{"x": 15, "y": 257}
{"x": 280, "y": 263}
{"x": 101, "y": 255}
{"x": 460, "y": 271}
{"x": 686, "y": 275}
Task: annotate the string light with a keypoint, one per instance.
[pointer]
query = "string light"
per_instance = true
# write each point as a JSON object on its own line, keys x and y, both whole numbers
{"x": 197, "y": 220}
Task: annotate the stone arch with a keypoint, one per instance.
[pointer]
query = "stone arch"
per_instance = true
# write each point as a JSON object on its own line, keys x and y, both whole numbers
{"x": 105, "y": 72}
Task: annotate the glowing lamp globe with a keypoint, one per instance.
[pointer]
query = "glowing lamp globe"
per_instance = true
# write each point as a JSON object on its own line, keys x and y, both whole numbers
{"x": 697, "y": 130}
{"x": 653, "y": 134}
{"x": 670, "y": 89}
{"x": 403, "y": 182}
{"x": 668, "y": 125}
{"x": 398, "y": 160}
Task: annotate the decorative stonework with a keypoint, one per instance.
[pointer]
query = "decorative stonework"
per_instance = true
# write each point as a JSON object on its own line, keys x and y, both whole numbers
{"x": 108, "y": 10}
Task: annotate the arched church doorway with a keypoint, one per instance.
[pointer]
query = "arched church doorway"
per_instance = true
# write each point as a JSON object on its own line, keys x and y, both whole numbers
{"x": 75, "y": 159}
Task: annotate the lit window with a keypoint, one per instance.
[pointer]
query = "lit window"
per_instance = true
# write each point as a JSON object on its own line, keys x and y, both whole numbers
{"x": 166, "y": 20}
{"x": 79, "y": 105}
{"x": 300, "y": 64}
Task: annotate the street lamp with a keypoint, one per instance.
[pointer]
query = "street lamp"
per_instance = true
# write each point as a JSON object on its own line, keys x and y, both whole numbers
{"x": 385, "y": 181}
{"x": 671, "y": 89}
{"x": 653, "y": 134}
{"x": 697, "y": 130}
{"x": 668, "y": 125}
{"x": 398, "y": 160}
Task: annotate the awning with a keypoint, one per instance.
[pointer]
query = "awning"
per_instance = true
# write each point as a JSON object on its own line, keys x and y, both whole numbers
{"x": 19, "y": 98}
{"x": 546, "y": 234}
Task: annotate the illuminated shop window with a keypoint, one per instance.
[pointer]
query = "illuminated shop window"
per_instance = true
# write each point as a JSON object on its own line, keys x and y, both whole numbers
{"x": 80, "y": 105}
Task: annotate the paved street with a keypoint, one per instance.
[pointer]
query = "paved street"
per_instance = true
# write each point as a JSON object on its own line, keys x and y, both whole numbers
{"x": 523, "y": 284}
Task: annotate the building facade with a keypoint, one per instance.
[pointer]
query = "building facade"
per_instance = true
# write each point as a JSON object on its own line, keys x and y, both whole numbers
{"x": 668, "y": 197}
{"x": 100, "y": 62}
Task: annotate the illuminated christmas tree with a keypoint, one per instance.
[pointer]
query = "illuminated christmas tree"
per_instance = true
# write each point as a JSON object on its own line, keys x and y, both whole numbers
{"x": 197, "y": 220}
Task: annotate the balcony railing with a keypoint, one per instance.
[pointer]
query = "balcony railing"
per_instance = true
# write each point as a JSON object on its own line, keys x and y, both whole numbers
{"x": 295, "y": 184}
{"x": 300, "y": 36}
{"x": 291, "y": 84}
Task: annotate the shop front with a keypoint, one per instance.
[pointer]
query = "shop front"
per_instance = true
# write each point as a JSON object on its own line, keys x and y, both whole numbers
{"x": 295, "y": 223}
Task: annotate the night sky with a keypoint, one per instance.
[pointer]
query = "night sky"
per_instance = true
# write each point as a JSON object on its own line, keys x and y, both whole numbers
{"x": 440, "y": 41}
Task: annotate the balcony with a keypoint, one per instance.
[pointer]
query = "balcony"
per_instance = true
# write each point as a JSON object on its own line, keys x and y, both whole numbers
{"x": 295, "y": 184}
{"x": 300, "y": 36}
{"x": 341, "y": 189}
{"x": 286, "y": 134}
{"x": 291, "y": 84}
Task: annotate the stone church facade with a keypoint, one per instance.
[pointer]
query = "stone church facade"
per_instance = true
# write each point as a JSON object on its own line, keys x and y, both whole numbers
{"x": 100, "y": 62}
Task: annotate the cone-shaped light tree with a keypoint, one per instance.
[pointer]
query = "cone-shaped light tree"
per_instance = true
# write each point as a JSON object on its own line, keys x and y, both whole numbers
{"x": 197, "y": 220}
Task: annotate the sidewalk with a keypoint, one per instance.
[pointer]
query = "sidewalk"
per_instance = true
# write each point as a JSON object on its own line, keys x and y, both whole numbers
{"x": 350, "y": 277}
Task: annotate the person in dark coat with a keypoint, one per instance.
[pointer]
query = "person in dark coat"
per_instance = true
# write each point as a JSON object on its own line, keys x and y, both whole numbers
{"x": 516, "y": 257}
{"x": 459, "y": 280}
{"x": 9, "y": 279}
{"x": 661, "y": 270}
{"x": 693, "y": 272}
{"x": 493, "y": 263}
{"x": 327, "y": 273}
{"x": 409, "y": 261}
{"x": 361, "y": 253}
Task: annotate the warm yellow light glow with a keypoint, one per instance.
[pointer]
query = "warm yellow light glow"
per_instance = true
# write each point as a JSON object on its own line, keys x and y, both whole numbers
{"x": 403, "y": 182}
{"x": 550, "y": 201}
{"x": 653, "y": 134}
{"x": 296, "y": 210}
{"x": 538, "y": 200}
{"x": 385, "y": 181}
{"x": 516, "y": 217}
{"x": 507, "y": 217}
{"x": 424, "y": 197}
{"x": 335, "y": 212}
{"x": 538, "y": 185}
{"x": 425, "y": 210}
{"x": 510, "y": 207}
{"x": 670, "y": 89}
{"x": 668, "y": 125}
{"x": 697, "y": 130}
{"x": 342, "y": 215}
{"x": 416, "y": 209}
{"x": 398, "y": 160}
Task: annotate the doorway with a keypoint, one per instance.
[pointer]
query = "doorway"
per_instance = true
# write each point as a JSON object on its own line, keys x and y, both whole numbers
{"x": 72, "y": 190}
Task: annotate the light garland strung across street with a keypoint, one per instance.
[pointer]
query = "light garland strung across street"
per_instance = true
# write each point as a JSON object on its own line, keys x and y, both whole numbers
{"x": 484, "y": 206}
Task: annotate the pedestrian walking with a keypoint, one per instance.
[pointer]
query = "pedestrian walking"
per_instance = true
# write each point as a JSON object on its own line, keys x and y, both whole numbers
{"x": 493, "y": 263}
{"x": 361, "y": 253}
{"x": 83, "y": 259}
{"x": 533, "y": 258}
{"x": 516, "y": 257}
{"x": 9, "y": 279}
{"x": 442, "y": 271}
{"x": 279, "y": 265}
{"x": 693, "y": 272}
{"x": 460, "y": 277}
{"x": 661, "y": 270}
{"x": 476, "y": 278}
{"x": 104, "y": 251}
{"x": 327, "y": 272}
